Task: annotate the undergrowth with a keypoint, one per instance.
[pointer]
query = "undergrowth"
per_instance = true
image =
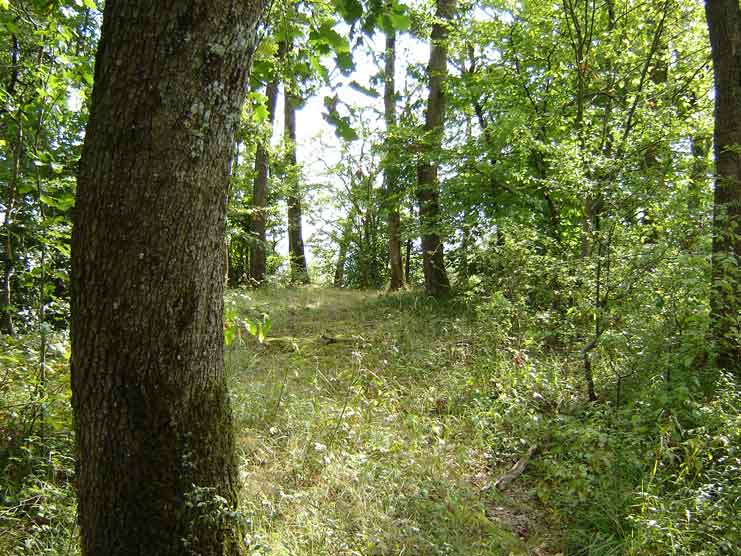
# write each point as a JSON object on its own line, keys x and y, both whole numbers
{"x": 378, "y": 425}
{"x": 37, "y": 498}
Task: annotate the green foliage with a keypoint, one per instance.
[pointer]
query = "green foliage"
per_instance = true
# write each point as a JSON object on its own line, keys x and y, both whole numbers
{"x": 46, "y": 61}
{"x": 237, "y": 321}
{"x": 689, "y": 502}
{"x": 392, "y": 441}
{"x": 37, "y": 497}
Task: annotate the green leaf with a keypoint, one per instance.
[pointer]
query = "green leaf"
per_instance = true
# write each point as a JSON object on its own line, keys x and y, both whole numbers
{"x": 25, "y": 187}
{"x": 345, "y": 62}
{"x": 266, "y": 50}
{"x": 318, "y": 68}
{"x": 63, "y": 203}
{"x": 90, "y": 4}
{"x": 400, "y": 22}
{"x": 344, "y": 130}
{"x": 365, "y": 90}
{"x": 5, "y": 4}
{"x": 260, "y": 114}
{"x": 350, "y": 10}
{"x": 267, "y": 325}
{"x": 326, "y": 35}
{"x": 66, "y": 201}
{"x": 229, "y": 335}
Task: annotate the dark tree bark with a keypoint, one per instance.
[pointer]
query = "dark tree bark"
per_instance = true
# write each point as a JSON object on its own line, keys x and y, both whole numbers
{"x": 390, "y": 171}
{"x": 436, "y": 278}
{"x": 296, "y": 252}
{"x": 260, "y": 194}
{"x": 156, "y": 468}
{"x": 724, "y": 23}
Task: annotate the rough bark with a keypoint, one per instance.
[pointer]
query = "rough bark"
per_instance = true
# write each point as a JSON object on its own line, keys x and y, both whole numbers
{"x": 296, "y": 252}
{"x": 260, "y": 194}
{"x": 156, "y": 469}
{"x": 390, "y": 171}
{"x": 724, "y": 23}
{"x": 436, "y": 278}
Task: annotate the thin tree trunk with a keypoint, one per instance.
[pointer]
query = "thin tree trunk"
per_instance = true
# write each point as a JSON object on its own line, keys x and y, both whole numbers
{"x": 296, "y": 253}
{"x": 463, "y": 270}
{"x": 659, "y": 75}
{"x": 260, "y": 194}
{"x": 390, "y": 171}
{"x": 6, "y": 303}
{"x": 700, "y": 146}
{"x": 339, "y": 273}
{"x": 724, "y": 22}
{"x": 408, "y": 259}
{"x": 155, "y": 450}
{"x": 436, "y": 278}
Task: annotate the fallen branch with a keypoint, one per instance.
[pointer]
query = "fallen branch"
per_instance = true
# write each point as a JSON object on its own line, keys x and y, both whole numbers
{"x": 517, "y": 469}
{"x": 325, "y": 339}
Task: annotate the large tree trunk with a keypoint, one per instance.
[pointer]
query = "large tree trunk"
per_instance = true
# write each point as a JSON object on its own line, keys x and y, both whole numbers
{"x": 390, "y": 170}
{"x": 724, "y": 22}
{"x": 156, "y": 468}
{"x": 436, "y": 279}
{"x": 260, "y": 194}
{"x": 296, "y": 253}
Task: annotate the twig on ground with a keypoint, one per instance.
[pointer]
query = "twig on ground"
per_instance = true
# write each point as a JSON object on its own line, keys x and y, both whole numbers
{"x": 517, "y": 469}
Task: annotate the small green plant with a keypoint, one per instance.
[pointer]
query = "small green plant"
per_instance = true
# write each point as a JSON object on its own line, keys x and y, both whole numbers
{"x": 239, "y": 316}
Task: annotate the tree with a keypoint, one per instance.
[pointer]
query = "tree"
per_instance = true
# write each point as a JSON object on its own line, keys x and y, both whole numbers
{"x": 156, "y": 468}
{"x": 436, "y": 279}
{"x": 260, "y": 192}
{"x": 296, "y": 254}
{"x": 724, "y": 23}
{"x": 390, "y": 172}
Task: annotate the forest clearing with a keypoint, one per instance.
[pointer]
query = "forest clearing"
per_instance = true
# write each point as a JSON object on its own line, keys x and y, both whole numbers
{"x": 370, "y": 278}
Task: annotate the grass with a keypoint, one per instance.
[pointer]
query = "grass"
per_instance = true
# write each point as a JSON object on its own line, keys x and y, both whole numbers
{"x": 375, "y": 443}
{"x": 377, "y": 425}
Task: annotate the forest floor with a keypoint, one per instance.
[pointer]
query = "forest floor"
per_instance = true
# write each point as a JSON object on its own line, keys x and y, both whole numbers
{"x": 366, "y": 425}
{"x": 379, "y": 425}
